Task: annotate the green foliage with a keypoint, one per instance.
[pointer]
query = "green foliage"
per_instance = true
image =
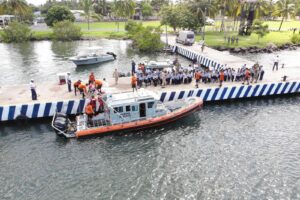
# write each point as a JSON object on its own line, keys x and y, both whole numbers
{"x": 181, "y": 16}
{"x": 66, "y": 31}
{"x": 295, "y": 39}
{"x": 124, "y": 8}
{"x": 260, "y": 29}
{"x": 146, "y": 39}
{"x": 146, "y": 9}
{"x": 57, "y": 14}
{"x": 16, "y": 32}
{"x": 18, "y": 8}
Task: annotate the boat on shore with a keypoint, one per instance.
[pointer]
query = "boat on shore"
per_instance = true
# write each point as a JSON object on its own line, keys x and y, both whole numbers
{"x": 93, "y": 57}
{"x": 126, "y": 111}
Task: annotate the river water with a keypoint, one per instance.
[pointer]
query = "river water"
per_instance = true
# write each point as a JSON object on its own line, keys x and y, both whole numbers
{"x": 238, "y": 150}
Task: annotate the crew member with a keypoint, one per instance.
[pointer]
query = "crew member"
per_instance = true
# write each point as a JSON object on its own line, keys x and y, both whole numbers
{"x": 133, "y": 82}
{"x": 82, "y": 89}
{"x": 89, "y": 111}
{"x": 133, "y": 67}
{"x": 69, "y": 82}
{"x": 197, "y": 78}
{"x": 98, "y": 85}
{"x": 101, "y": 104}
{"x": 116, "y": 76}
{"x": 222, "y": 77}
{"x": 76, "y": 84}
{"x": 33, "y": 90}
{"x": 247, "y": 76}
{"x": 91, "y": 78}
{"x": 93, "y": 103}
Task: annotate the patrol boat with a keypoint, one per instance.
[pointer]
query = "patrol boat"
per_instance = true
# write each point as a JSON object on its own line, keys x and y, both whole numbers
{"x": 126, "y": 111}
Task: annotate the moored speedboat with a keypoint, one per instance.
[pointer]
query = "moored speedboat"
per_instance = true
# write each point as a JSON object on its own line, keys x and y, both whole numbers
{"x": 126, "y": 111}
{"x": 93, "y": 57}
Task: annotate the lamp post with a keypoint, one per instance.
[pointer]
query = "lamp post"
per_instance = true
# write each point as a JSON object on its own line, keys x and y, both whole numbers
{"x": 203, "y": 35}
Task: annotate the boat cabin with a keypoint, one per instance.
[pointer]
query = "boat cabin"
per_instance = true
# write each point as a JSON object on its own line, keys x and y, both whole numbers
{"x": 126, "y": 107}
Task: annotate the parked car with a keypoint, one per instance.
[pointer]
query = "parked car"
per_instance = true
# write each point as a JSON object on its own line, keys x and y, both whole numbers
{"x": 186, "y": 37}
{"x": 209, "y": 21}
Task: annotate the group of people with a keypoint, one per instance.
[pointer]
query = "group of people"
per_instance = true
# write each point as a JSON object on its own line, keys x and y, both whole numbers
{"x": 185, "y": 75}
{"x": 93, "y": 87}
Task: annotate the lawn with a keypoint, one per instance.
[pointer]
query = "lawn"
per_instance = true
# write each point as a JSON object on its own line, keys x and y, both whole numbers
{"x": 113, "y": 25}
{"x": 217, "y": 39}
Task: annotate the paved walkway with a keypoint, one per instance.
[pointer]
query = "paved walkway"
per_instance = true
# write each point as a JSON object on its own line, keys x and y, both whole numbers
{"x": 48, "y": 92}
{"x": 218, "y": 56}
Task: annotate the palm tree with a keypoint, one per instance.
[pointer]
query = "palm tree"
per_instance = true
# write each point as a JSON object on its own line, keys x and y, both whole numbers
{"x": 87, "y": 7}
{"x": 18, "y": 8}
{"x": 123, "y": 8}
{"x": 284, "y": 8}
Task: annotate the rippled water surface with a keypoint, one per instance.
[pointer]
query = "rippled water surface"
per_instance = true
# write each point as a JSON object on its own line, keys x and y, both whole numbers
{"x": 247, "y": 150}
{"x": 238, "y": 150}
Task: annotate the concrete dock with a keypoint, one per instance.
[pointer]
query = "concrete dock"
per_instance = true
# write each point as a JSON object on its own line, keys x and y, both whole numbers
{"x": 15, "y": 100}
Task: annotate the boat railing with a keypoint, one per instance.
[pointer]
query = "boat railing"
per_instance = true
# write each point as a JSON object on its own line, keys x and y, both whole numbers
{"x": 115, "y": 111}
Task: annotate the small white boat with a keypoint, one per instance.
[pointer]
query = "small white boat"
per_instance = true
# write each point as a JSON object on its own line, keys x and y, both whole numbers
{"x": 158, "y": 64}
{"x": 93, "y": 58}
{"x": 126, "y": 111}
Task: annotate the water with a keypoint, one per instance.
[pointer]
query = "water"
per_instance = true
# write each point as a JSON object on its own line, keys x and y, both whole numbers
{"x": 247, "y": 150}
{"x": 239, "y": 150}
{"x": 43, "y": 60}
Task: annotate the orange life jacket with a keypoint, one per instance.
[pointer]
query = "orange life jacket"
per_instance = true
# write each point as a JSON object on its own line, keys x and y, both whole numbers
{"x": 89, "y": 109}
{"x": 133, "y": 80}
{"x": 82, "y": 87}
{"x": 198, "y": 76}
{"x": 98, "y": 82}
{"x": 222, "y": 76}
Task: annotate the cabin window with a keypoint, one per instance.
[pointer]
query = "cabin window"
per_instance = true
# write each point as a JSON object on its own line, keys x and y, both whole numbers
{"x": 150, "y": 104}
{"x": 118, "y": 109}
{"x": 134, "y": 108}
{"x": 127, "y": 108}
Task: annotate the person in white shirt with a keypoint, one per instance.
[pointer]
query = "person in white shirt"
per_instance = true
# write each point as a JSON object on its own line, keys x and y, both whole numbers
{"x": 33, "y": 90}
{"x": 69, "y": 82}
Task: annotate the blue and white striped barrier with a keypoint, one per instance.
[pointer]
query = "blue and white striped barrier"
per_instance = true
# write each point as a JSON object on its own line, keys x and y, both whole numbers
{"x": 192, "y": 55}
{"x": 40, "y": 110}
{"x": 235, "y": 92}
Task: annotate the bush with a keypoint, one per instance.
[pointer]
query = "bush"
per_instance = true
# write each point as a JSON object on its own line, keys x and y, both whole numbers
{"x": 57, "y": 14}
{"x": 66, "y": 30}
{"x": 295, "y": 39}
{"x": 16, "y": 32}
{"x": 146, "y": 39}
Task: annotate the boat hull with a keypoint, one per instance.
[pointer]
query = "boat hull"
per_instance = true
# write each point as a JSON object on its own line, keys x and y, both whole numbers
{"x": 143, "y": 124}
{"x": 91, "y": 61}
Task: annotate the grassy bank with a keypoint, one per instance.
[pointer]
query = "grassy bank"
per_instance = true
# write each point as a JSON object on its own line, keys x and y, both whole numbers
{"x": 215, "y": 39}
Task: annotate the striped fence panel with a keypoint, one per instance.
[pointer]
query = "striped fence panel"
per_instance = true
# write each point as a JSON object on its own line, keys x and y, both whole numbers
{"x": 40, "y": 110}
{"x": 235, "y": 92}
{"x": 192, "y": 55}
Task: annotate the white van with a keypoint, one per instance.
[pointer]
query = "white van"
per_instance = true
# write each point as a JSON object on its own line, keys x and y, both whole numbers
{"x": 186, "y": 37}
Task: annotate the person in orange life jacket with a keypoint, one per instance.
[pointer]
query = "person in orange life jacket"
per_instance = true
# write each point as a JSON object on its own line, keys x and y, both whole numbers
{"x": 133, "y": 82}
{"x": 82, "y": 89}
{"x": 69, "y": 82}
{"x": 198, "y": 77}
{"x": 247, "y": 76}
{"x": 98, "y": 85}
{"x": 222, "y": 77}
{"x": 76, "y": 84}
{"x": 33, "y": 90}
{"x": 89, "y": 111}
{"x": 91, "y": 78}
